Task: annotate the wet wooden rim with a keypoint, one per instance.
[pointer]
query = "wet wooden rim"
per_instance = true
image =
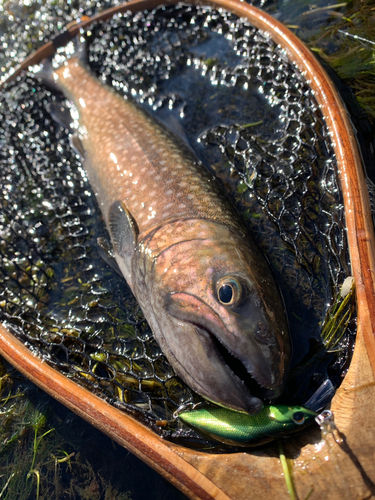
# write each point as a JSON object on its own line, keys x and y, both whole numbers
{"x": 170, "y": 460}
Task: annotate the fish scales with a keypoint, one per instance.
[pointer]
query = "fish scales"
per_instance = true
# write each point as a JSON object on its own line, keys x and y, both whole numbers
{"x": 137, "y": 161}
{"x": 202, "y": 283}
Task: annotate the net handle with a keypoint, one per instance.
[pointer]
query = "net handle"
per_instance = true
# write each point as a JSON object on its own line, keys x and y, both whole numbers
{"x": 122, "y": 428}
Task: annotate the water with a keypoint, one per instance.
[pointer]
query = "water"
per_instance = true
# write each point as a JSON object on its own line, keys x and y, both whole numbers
{"x": 218, "y": 131}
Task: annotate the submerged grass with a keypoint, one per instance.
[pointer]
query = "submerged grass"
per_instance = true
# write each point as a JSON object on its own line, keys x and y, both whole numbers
{"x": 336, "y": 334}
{"x": 338, "y": 317}
{"x": 36, "y": 462}
{"x": 48, "y": 453}
{"x": 346, "y": 41}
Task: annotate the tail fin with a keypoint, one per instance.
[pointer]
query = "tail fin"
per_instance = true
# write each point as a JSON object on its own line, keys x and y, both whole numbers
{"x": 76, "y": 48}
{"x": 45, "y": 75}
{"x": 80, "y": 48}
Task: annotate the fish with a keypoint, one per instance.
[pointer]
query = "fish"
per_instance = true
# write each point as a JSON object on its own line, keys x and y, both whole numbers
{"x": 202, "y": 283}
{"x": 241, "y": 429}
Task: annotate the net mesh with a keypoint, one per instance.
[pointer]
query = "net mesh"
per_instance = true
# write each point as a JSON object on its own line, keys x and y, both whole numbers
{"x": 250, "y": 116}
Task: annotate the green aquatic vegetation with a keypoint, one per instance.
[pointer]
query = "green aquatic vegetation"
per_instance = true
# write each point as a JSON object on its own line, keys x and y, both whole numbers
{"x": 338, "y": 317}
{"x": 346, "y": 42}
{"x": 23, "y": 446}
{"x": 37, "y": 475}
{"x": 39, "y": 421}
{"x": 357, "y": 61}
{"x": 247, "y": 125}
{"x": 336, "y": 336}
{"x": 48, "y": 453}
{"x": 287, "y": 473}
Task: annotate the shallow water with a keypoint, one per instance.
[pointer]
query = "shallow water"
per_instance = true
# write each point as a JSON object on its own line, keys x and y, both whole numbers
{"x": 201, "y": 119}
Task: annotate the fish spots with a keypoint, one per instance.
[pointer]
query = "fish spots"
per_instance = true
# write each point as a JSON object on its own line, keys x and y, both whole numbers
{"x": 113, "y": 158}
{"x": 153, "y": 213}
{"x": 132, "y": 158}
{"x": 66, "y": 73}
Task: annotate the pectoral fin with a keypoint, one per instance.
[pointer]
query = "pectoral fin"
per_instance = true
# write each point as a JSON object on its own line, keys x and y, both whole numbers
{"x": 60, "y": 114}
{"x": 106, "y": 253}
{"x": 77, "y": 146}
{"x": 124, "y": 234}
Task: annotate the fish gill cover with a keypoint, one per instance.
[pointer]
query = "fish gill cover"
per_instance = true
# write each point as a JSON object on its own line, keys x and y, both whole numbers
{"x": 249, "y": 115}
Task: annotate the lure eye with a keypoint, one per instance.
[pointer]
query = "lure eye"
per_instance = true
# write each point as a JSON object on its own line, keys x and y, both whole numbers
{"x": 229, "y": 291}
{"x": 298, "y": 417}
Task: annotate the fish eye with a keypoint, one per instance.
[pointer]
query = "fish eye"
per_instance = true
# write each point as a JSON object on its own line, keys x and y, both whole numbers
{"x": 298, "y": 417}
{"x": 229, "y": 291}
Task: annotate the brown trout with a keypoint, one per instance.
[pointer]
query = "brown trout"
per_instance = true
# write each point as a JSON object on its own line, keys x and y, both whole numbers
{"x": 201, "y": 281}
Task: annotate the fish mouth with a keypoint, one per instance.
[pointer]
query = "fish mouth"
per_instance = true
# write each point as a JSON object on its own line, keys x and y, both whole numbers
{"x": 238, "y": 369}
{"x": 248, "y": 374}
{"x": 235, "y": 365}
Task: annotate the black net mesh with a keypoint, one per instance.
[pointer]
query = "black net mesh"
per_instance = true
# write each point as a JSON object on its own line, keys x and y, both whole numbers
{"x": 250, "y": 116}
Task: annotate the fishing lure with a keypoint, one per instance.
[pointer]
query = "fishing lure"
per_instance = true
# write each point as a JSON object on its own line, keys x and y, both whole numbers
{"x": 241, "y": 429}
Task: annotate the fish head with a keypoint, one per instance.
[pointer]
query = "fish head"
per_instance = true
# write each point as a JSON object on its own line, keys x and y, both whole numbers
{"x": 221, "y": 316}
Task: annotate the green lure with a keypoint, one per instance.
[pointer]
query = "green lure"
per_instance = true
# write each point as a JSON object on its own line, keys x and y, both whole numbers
{"x": 242, "y": 429}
